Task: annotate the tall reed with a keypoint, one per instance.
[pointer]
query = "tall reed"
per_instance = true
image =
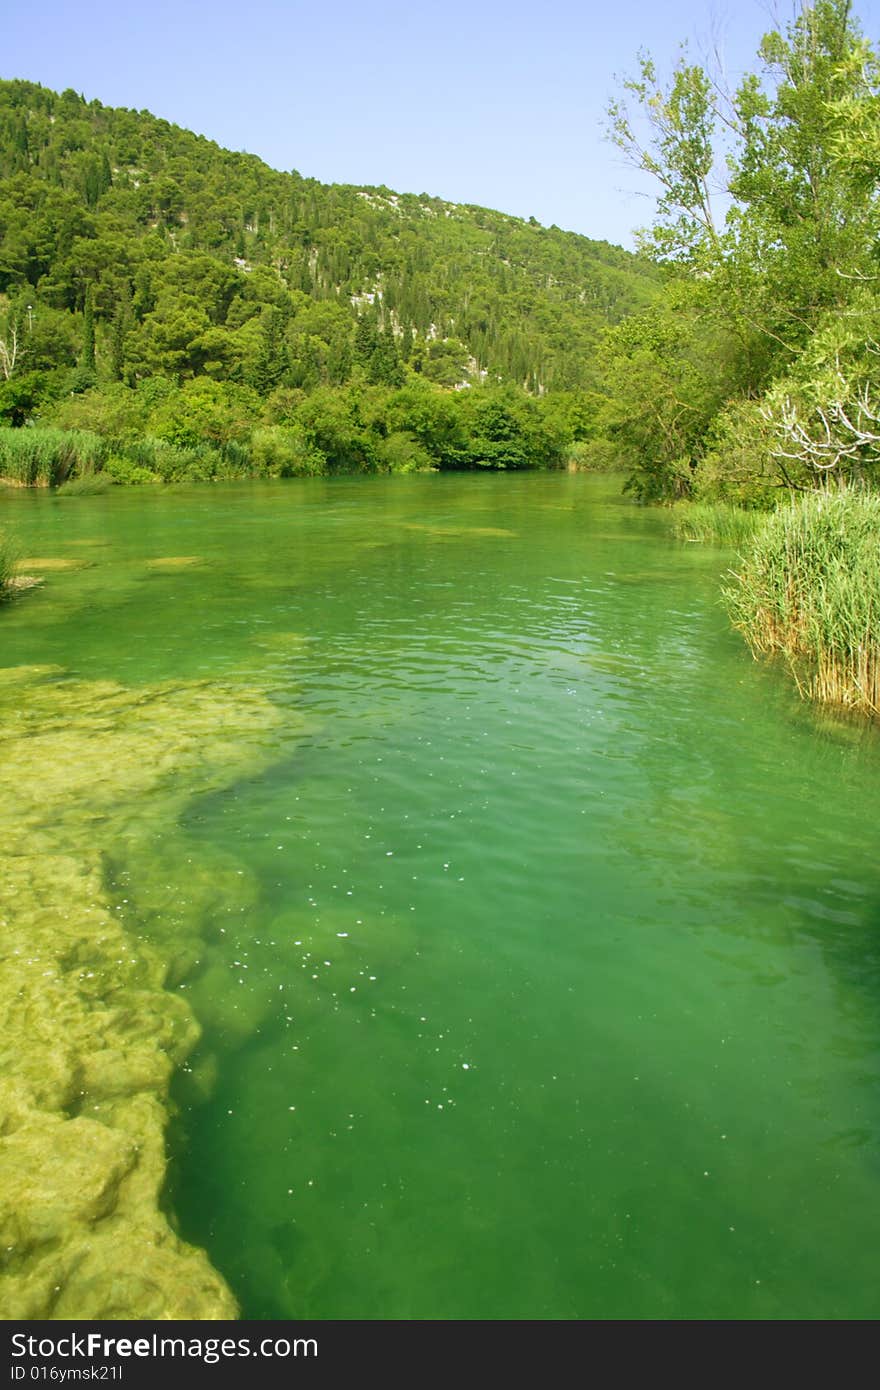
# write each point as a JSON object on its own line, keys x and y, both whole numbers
{"x": 809, "y": 589}
{"x": 46, "y": 457}
{"x": 718, "y": 523}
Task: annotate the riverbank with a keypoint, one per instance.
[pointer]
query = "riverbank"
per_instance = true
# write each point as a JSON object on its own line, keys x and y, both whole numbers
{"x": 95, "y": 1019}
{"x": 159, "y": 432}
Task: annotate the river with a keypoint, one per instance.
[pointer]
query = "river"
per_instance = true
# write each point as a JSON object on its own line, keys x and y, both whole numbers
{"x": 533, "y": 932}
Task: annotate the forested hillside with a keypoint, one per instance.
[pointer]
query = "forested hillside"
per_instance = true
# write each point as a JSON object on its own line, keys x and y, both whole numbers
{"x": 132, "y": 250}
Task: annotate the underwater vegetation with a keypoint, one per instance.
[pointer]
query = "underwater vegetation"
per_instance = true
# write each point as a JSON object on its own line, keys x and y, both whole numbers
{"x": 8, "y": 558}
{"x": 94, "y": 1019}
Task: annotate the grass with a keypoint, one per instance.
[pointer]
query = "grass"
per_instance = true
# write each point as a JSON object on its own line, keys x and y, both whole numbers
{"x": 717, "y": 523}
{"x": 809, "y": 590}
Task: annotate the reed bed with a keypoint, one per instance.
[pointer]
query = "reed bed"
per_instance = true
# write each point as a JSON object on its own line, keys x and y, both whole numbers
{"x": 809, "y": 590}
{"x": 79, "y": 460}
{"x": 717, "y": 523}
{"x": 40, "y": 457}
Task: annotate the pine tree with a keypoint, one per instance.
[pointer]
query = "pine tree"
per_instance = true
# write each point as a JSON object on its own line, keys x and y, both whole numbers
{"x": 87, "y": 360}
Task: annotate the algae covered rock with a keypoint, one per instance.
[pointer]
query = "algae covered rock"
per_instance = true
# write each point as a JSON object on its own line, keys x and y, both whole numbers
{"x": 89, "y": 1033}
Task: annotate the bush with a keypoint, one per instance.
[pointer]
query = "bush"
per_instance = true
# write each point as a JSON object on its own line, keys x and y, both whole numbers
{"x": 125, "y": 470}
{"x": 113, "y": 411}
{"x": 234, "y": 460}
{"x": 593, "y": 456}
{"x": 809, "y": 589}
{"x": 177, "y": 463}
{"x": 158, "y": 459}
{"x": 205, "y": 411}
{"x": 738, "y": 466}
{"x": 280, "y": 452}
{"x": 401, "y": 453}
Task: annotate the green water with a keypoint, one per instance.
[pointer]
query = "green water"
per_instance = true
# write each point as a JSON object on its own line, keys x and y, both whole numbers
{"x": 552, "y": 988}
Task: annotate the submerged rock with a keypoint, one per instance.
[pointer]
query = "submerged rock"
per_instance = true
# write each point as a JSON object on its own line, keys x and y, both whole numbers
{"x": 89, "y": 1034}
{"x": 174, "y": 562}
{"x": 46, "y": 563}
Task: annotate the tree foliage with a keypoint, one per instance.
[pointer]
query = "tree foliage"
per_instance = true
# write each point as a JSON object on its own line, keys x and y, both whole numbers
{"x": 768, "y": 220}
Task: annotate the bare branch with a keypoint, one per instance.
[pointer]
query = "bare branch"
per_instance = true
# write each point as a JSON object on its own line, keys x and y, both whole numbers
{"x": 841, "y": 430}
{"x": 9, "y": 348}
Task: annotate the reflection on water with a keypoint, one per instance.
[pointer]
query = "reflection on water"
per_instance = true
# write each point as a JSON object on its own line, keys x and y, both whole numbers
{"x": 543, "y": 977}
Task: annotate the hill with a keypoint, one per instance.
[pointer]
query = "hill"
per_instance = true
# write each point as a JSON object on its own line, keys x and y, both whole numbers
{"x": 185, "y": 244}
{"x": 154, "y": 285}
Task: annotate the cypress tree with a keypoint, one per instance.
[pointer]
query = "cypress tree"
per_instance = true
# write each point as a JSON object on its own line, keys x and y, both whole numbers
{"x": 21, "y": 148}
{"x": 339, "y": 360}
{"x": 366, "y": 340}
{"x": 85, "y": 374}
{"x": 87, "y": 360}
{"x": 384, "y": 367}
{"x": 271, "y": 361}
{"x": 119, "y": 333}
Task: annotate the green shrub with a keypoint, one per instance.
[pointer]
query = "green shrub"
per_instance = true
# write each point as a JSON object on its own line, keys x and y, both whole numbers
{"x": 279, "y": 451}
{"x": 177, "y": 464}
{"x": 738, "y": 466}
{"x": 234, "y": 460}
{"x": 114, "y": 411}
{"x": 809, "y": 589}
{"x": 125, "y": 470}
{"x": 169, "y": 463}
{"x": 593, "y": 456}
{"x": 401, "y": 453}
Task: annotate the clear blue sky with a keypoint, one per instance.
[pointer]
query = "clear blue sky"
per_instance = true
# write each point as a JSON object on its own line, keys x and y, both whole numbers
{"x": 494, "y": 103}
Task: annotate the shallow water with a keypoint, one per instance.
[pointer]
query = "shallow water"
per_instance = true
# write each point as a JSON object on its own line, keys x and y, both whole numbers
{"x": 540, "y": 944}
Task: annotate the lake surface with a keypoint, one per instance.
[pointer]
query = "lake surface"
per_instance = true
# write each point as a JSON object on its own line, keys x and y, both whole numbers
{"x": 540, "y": 954}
